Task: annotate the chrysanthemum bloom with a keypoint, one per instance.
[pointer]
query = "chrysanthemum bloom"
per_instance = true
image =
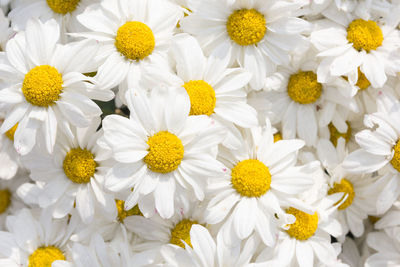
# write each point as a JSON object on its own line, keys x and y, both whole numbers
{"x": 44, "y": 92}
{"x": 380, "y": 150}
{"x": 163, "y": 154}
{"x": 258, "y": 35}
{"x": 354, "y": 46}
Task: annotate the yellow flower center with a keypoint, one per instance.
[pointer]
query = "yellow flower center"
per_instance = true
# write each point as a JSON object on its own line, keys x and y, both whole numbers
{"x": 364, "y": 34}
{"x": 305, "y": 225}
{"x": 346, "y": 187}
{"x": 396, "y": 157}
{"x": 79, "y": 165}
{"x": 202, "y": 97}
{"x": 362, "y": 82}
{"x": 182, "y": 232}
{"x": 135, "y": 40}
{"x": 246, "y": 26}
{"x": 335, "y": 134}
{"x": 10, "y": 133}
{"x": 122, "y": 213}
{"x": 373, "y": 219}
{"x": 277, "y": 137}
{"x": 5, "y": 200}
{"x": 251, "y": 178}
{"x": 63, "y": 6}
{"x": 45, "y": 256}
{"x": 304, "y": 88}
{"x": 42, "y": 86}
{"x": 165, "y": 152}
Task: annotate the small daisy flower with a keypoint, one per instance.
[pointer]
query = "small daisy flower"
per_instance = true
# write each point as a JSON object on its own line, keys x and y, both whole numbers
{"x": 164, "y": 154}
{"x": 259, "y": 178}
{"x": 35, "y": 239}
{"x": 112, "y": 24}
{"x": 258, "y": 35}
{"x": 45, "y": 92}
{"x": 350, "y": 44}
{"x": 64, "y": 12}
{"x": 73, "y": 175}
{"x": 380, "y": 150}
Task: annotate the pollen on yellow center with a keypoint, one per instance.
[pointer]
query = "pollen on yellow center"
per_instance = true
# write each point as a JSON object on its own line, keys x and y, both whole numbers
{"x": 305, "y": 225}
{"x": 165, "y": 152}
{"x": 396, "y": 157}
{"x": 335, "y": 134}
{"x": 202, "y": 97}
{"x": 45, "y": 256}
{"x": 304, "y": 88}
{"x": 364, "y": 34}
{"x": 346, "y": 187}
{"x": 42, "y": 86}
{"x": 122, "y": 213}
{"x": 79, "y": 165}
{"x": 63, "y": 6}
{"x": 10, "y": 133}
{"x": 251, "y": 178}
{"x": 135, "y": 40}
{"x": 246, "y": 26}
{"x": 181, "y": 232}
{"x": 5, "y": 200}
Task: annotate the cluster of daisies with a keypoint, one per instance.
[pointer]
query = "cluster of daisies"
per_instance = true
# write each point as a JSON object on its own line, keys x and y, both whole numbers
{"x": 199, "y": 133}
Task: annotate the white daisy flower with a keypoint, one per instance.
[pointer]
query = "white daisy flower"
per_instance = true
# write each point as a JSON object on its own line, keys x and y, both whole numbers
{"x": 44, "y": 90}
{"x": 306, "y": 241}
{"x": 257, "y": 34}
{"x": 133, "y": 34}
{"x": 72, "y": 176}
{"x": 35, "y": 239}
{"x": 350, "y": 44}
{"x": 163, "y": 153}
{"x": 64, "y": 12}
{"x": 301, "y": 104}
{"x": 359, "y": 190}
{"x": 259, "y": 178}
{"x": 214, "y": 89}
{"x": 380, "y": 150}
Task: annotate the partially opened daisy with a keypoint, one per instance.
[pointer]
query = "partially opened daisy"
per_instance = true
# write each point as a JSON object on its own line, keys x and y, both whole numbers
{"x": 65, "y": 12}
{"x": 359, "y": 190}
{"x": 259, "y": 178}
{"x": 352, "y": 45}
{"x": 33, "y": 238}
{"x": 134, "y": 34}
{"x": 258, "y": 35}
{"x": 164, "y": 154}
{"x": 380, "y": 150}
{"x": 71, "y": 177}
{"x": 214, "y": 89}
{"x": 45, "y": 88}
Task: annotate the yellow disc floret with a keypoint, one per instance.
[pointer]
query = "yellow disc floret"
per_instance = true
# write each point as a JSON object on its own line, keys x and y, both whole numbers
{"x": 42, "y": 86}
{"x": 79, "y": 165}
{"x": 10, "y": 133}
{"x": 202, "y": 97}
{"x": 364, "y": 34}
{"x": 182, "y": 232}
{"x": 5, "y": 200}
{"x": 246, "y": 26}
{"x": 63, "y": 6}
{"x": 251, "y": 178}
{"x": 305, "y": 225}
{"x": 396, "y": 156}
{"x": 135, "y": 40}
{"x": 362, "y": 82}
{"x": 346, "y": 187}
{"x": 45, "y": 256}
{"x": 165, "y": 152}
{"x": 304, "y": 88}
{"x": 122, "y": 213}
{"x": 277, "y": 137}
{"x": 335, "y": 134}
